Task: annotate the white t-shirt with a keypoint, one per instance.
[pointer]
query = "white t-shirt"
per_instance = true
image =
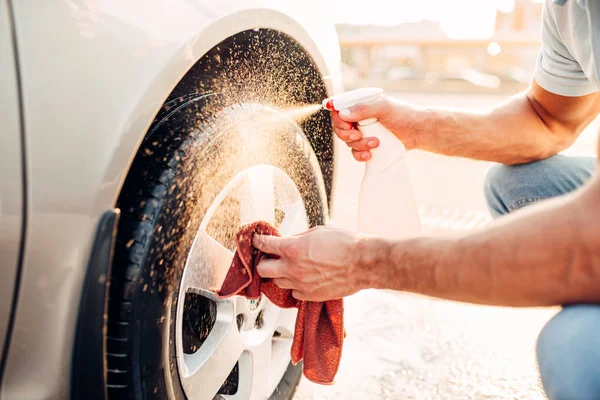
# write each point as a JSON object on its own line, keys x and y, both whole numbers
{"x": 569, "y": 61}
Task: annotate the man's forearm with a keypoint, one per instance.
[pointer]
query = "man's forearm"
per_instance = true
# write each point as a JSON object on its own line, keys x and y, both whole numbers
{"x": 512, "y": 133}
{"x": 531, "y": 126}
{"x": 544, "y": 255}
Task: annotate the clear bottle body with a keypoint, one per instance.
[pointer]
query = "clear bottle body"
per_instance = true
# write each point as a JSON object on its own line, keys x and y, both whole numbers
{"x": 386, "y": 206}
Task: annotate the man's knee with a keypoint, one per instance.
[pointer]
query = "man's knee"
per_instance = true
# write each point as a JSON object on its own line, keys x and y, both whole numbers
{"x": 568, "y": 354}
{"x": 510, "y": 187}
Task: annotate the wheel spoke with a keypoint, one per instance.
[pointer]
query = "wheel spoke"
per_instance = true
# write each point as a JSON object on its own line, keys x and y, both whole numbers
{"x": 282, "y": 345}
{"x": 286, "y": 322}
{"x": 241, "y": 305}
{"x": 255, "y": 368}
{"x": 258, "y": 200}
{"x": 295, "y": 220}
{"x": 208, "y": 368}
{"x": 207, "y": 264}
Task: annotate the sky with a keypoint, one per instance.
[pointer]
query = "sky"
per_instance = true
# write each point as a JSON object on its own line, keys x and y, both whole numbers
{"x": 460, "y": 19}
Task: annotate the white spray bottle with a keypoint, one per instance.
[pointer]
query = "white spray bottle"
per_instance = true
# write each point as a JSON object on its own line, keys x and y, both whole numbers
{"x": 386, "y": 205}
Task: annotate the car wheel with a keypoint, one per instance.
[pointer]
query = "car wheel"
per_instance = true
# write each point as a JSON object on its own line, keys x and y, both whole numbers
{"x": 195, "y": 181}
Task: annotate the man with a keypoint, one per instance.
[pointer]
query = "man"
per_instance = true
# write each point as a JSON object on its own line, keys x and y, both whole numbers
{"x": 547, "y": 254}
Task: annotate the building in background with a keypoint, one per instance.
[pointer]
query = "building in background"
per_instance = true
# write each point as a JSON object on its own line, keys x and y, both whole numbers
{"x": 420, "y": 56}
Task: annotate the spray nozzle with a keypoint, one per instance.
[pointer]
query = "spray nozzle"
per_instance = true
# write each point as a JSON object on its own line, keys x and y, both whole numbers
{"x": 352, "y": 98}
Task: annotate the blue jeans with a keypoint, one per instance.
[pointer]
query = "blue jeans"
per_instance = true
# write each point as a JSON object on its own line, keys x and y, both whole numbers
{"x": 568, "y": 347}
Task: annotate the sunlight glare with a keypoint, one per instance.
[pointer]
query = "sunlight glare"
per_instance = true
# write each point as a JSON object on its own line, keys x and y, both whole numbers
{"x": 494, "y": 49}
{"x": 460, "y": 19}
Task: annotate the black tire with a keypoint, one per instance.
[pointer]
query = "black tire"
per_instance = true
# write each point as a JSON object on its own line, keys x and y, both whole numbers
{"x": 181, "y": 166}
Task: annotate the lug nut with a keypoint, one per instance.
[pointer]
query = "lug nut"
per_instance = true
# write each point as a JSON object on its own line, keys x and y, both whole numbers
{"x": 259, "y": 320}
{"x": 240, "y": 320}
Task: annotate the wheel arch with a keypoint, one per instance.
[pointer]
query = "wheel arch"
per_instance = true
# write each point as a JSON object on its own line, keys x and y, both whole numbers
{"x": 184, "y": 69}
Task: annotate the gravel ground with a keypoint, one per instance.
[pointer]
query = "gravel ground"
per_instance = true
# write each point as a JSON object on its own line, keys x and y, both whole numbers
{"x": 402, "y": 346}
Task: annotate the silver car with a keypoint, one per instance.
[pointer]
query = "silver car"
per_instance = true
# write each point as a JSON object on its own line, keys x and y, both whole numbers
{"x": 138, "y": 137}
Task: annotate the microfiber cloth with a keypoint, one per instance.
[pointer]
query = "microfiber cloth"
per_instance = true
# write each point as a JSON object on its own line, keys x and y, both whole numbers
{"x": 319, "y": 332}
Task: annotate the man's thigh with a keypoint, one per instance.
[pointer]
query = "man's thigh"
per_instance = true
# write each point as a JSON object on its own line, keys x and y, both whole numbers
{"x": 510, "y": 187}
{"x": 568, "y": 353}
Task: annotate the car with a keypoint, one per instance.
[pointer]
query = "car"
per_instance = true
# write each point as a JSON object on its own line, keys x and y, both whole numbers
{"x": 138, "y": 137}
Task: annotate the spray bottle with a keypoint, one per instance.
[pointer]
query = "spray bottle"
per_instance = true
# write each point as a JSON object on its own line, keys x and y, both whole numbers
{"x": 386, "y": 205}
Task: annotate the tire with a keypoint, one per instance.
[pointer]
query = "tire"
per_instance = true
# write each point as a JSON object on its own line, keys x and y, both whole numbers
{"x": 187, "y": 158}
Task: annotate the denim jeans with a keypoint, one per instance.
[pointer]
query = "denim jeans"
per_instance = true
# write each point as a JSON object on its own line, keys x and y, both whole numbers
{"x": 568, "y": 347}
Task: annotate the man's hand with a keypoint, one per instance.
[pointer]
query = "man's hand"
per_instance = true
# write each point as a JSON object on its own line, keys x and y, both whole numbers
{"x": 319, "y": 265}
{"x": 400, "y": 118}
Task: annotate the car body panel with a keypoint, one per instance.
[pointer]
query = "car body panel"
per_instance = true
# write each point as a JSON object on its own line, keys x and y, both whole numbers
{"x": 94, "y": 74}
{"x": 11, "y": 181}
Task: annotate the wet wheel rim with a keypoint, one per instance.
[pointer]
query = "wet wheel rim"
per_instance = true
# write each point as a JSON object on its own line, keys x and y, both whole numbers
{"x": 240, "y": 349}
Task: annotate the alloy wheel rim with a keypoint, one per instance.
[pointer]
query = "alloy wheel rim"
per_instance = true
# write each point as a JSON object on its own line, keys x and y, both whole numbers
{"x": 253, "y": 336}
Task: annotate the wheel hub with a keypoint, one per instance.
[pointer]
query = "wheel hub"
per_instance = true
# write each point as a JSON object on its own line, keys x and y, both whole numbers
{"x": 253, "y": 304}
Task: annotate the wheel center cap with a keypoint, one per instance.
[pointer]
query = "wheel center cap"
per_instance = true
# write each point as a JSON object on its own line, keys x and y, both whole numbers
{"x": 253, "y": 304}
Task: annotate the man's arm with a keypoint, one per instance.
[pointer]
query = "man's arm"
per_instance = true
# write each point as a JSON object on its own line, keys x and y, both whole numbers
{"x": 542, "y": 255}
{"x": 530, "y": 126}
{"x": 546, "y": 254}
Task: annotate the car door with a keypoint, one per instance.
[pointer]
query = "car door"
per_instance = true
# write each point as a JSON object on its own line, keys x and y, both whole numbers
{"x": 11, "y": 172}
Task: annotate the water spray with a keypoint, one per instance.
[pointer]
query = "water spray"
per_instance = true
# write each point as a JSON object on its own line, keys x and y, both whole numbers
{"x": 386, "y": 204}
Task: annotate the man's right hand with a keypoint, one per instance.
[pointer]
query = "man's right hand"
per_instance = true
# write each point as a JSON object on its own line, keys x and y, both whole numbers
{"x": 398, "y": 117}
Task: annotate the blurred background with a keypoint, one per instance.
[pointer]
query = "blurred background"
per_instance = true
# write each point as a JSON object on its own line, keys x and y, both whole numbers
{"x": 439, "y": 46}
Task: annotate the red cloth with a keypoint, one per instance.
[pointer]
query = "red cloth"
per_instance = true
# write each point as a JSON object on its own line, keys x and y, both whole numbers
{"x": 319, "y": 332}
